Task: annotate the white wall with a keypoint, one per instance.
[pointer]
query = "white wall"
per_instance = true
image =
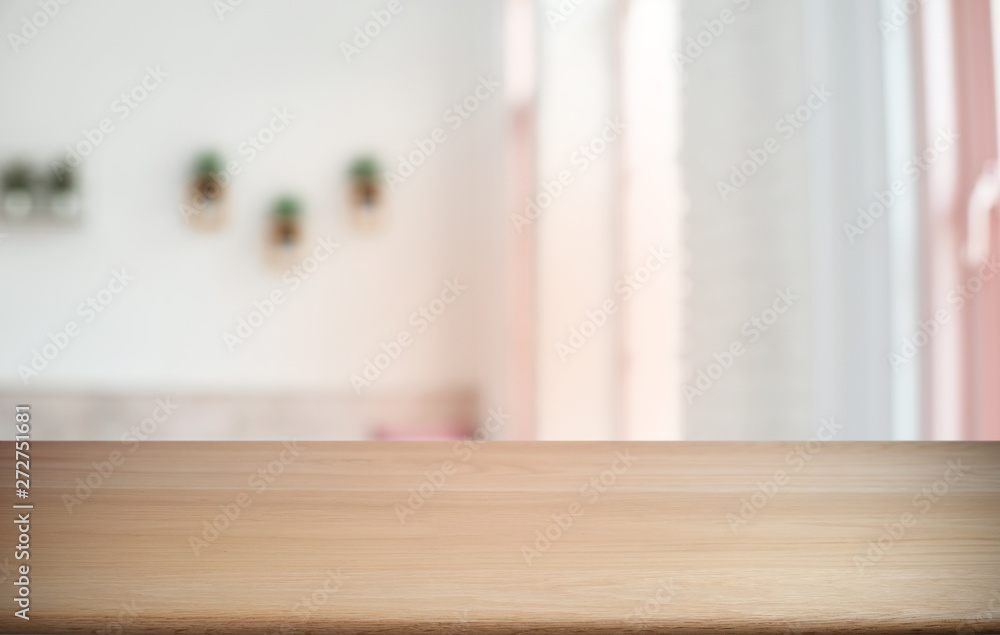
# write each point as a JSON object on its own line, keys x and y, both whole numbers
{"x": 164, "y": 333}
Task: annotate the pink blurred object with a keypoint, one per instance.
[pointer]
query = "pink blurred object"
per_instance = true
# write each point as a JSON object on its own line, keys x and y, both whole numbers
{"x": 402, "y": 432}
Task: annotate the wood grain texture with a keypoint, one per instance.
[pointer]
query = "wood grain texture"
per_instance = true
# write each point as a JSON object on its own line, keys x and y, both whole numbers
{"x": 660, "y": 546}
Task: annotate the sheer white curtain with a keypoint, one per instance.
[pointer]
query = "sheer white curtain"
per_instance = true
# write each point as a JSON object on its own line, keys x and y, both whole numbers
{"x": 784, "y": 140}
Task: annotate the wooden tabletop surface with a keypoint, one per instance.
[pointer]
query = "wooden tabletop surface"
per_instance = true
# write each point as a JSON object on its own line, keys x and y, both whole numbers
{"x": 325, "y": 537}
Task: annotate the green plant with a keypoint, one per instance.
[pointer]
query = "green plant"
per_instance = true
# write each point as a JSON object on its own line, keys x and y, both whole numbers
{"x": 62, "y": 180}
{"x": 17, "y": 177}
{"x": 365, "y": 169}
{"x": 208, "y": 163}
{"x": 287, "y": 207}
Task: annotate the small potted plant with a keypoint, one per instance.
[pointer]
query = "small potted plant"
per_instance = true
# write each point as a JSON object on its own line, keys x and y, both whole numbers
{"x": 63, "y": 198}
{"x": 286, "y": 221}
{"x": 207, "y": 192}
{"x": 365, "y": 187}
{"x": 18, "y": 199}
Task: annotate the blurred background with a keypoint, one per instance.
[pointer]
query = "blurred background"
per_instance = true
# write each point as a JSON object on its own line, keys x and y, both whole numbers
{"x": 507, "y": 219}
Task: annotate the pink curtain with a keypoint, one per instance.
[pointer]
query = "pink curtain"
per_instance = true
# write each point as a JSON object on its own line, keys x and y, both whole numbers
{"x": 962, "y": 188}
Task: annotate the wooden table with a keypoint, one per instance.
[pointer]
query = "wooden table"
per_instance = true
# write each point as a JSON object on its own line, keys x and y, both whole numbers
{"x": 323, "y": 537}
